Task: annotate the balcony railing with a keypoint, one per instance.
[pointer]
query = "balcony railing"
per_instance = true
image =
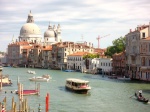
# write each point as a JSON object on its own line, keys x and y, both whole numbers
{"x": 145, "y": 68}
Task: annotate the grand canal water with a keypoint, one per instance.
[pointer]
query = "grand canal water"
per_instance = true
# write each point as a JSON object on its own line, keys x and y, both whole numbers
{"x": 106, "y": 95}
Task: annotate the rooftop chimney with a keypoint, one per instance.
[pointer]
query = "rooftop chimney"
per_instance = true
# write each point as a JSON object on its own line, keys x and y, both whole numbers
{"x": 130, "y": 30}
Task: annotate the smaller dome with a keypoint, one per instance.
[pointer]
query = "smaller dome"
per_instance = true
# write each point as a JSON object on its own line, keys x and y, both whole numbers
{"x": 49, "y": 33}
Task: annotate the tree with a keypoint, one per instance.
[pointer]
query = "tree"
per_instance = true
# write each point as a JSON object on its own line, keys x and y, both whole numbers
{"x": 117, "y": 47}
{"x": 90, "y": 56}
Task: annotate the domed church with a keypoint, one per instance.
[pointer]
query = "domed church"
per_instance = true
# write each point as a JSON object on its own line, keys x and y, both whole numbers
{"x": 52, "y": 35}
{"x": 31, "y": 33}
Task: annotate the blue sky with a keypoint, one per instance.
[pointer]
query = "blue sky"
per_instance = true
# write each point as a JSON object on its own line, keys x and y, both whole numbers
{"x": 78, "y": 18}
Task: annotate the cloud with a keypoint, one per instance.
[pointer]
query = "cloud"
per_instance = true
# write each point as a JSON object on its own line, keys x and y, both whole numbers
{"x": 87, "y": 17}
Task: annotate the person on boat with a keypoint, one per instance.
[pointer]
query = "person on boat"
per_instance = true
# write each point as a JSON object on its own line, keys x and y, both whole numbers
{"x": 140, "y": 94}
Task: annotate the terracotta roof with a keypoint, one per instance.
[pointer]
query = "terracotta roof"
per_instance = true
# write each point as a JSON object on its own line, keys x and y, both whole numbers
{"x": 72, "y": 44}
{"x": 99, "y": 50}
{"x": 27, "y": 47}
{"x": 19, "y": 43}
{"x": 139, "y": 28}
{"x": 79, "y": 54}
{"x": 47, "y": 48}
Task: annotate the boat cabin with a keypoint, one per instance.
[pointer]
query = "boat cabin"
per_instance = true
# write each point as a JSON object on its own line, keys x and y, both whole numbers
{"x": 77, "y": 85}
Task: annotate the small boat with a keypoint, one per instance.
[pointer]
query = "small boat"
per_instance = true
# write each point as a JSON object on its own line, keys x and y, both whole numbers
{"x": 46, "y": 76}
{"x": 5, "y": 81}
{"x": 69, "y": 70}
{"x": 43, "y": 78}
{"x": 31, "y": 72}
{"x": 112, "y": 77}
{"x": 77, "y": 85}
{"x": 124, "y": 78}
{"x": 7, "y": 84}
{"x": 141, "y": 99}
{"x": 28, "y": 92}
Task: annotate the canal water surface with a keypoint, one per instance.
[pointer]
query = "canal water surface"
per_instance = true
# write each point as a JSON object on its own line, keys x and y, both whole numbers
{"x": 106, "y": 95}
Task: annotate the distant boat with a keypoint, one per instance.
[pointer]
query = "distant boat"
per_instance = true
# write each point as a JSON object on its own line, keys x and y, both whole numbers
{"x": 28, "y": 92}
{"x": 44, "y": 78}
{"x": 123, "y": 78}
{"x": 5, "y": 81}
{"x": 69, "y": 70}
{"x": 31, "y": 72}
{"x": 77, "y": 85}
{"x": 141, "y": 99}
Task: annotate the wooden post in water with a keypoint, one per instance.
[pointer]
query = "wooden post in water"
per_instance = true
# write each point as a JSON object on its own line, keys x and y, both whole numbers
{"x": 38, "y": 88}
{"x": 4, "y": 101}
{"x": 12, "y": 104}
{"x": 39, "y": 108}
{"x": 1, "y": 76}
{"x": 22, "y": 105}
{"x": 47, "y": 103}
{"x": 21, "y": 92}
{"x": 15, "y": 109}
{"x": 18, "y": 80}
{"x": 26, "y": 106}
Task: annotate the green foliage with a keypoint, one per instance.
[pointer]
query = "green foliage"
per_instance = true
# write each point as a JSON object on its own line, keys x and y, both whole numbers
{"x": 118, "y": 46}
{"x": 90, "y": 56}
{"x": 1, "y": 52}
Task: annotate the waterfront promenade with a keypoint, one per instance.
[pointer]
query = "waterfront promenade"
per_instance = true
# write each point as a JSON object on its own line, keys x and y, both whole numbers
{"x": 106, "y": 95}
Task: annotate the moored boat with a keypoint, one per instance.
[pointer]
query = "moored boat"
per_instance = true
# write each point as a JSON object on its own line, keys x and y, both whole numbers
{"x": 40, "y": 79}
{"x": 123, "y": 78}
{"x": 77, "y": 85}
{"x": 5, "y": 81}
{"x": 69, "y": 70}
{"x": 141, "y": 99}
{"x": 28, "y": 92}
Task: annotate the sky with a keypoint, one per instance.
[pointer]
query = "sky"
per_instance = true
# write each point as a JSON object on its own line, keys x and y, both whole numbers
{"x": 80, "y": 20}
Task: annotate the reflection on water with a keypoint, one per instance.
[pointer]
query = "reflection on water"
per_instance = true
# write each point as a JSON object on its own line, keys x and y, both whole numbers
{"x": 106, "y": 95}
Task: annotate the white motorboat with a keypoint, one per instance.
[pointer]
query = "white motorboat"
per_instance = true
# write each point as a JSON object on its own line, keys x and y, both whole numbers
{"x": 39, "y": 79}
{"x": 5, "y": 80}
{"x": 124, "y": 78}
{"x": 44, "y": 78}
{"x": 31, "y": 72}
{"x": 77, "y": 85}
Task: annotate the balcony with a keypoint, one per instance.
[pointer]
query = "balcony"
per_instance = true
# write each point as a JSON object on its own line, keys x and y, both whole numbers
{"x": 145, "y": 68}
{"x": 133, "y": 65}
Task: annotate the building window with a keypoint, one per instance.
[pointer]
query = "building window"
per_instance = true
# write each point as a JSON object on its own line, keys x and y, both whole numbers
{"x": 143, "y": 35}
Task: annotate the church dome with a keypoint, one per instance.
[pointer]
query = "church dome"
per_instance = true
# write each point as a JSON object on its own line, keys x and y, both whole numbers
{"x": 50, "y": 32}
{"x": 30, "y": 28}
